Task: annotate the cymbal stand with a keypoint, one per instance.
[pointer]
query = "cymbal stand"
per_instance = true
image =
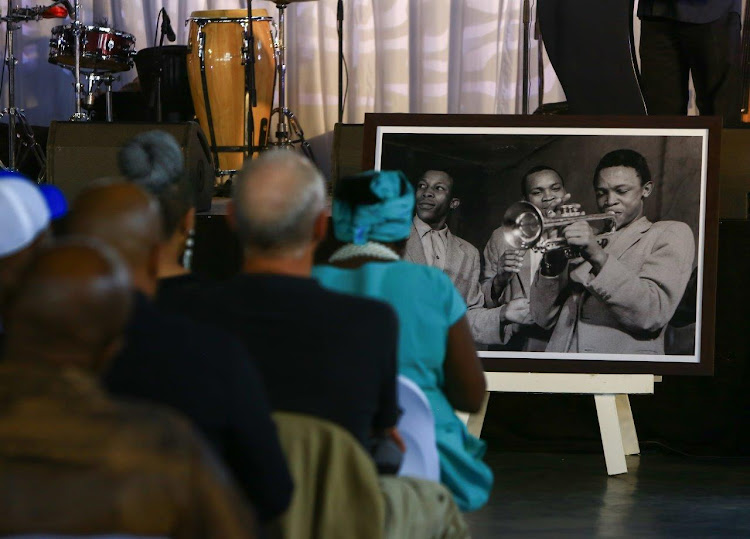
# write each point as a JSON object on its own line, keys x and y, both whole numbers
{"x": 18, "y": 126}
{"x": 282, "y": 129}
{"x": 79, "y": 115}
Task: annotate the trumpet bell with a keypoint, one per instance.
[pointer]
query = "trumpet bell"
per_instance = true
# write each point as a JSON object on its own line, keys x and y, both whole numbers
{"x": 523, "y": 225}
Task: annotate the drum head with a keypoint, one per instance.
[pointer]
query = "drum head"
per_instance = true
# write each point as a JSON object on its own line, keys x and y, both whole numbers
{"x": 227, "y": 14}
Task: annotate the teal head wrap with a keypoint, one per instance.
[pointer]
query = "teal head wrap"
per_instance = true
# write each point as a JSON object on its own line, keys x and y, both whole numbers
{"x": 385, "y": 221}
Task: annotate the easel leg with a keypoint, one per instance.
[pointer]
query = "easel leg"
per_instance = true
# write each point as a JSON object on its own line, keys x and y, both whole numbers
{"x": 609, "y": 425}
{"x": 627, "y": 425}
{"x": 476, "y": 421}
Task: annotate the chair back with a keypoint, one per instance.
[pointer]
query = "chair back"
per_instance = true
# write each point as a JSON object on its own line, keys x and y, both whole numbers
{"x": 336, "y": 489}
{"x": 417, "y": 428}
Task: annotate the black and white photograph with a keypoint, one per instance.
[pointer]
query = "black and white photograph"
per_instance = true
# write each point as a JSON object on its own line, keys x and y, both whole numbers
{"x": 567, "y": 244}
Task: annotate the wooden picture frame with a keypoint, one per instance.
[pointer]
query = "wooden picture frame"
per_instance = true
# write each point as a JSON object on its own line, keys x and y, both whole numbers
{"x": 486, "y": 155}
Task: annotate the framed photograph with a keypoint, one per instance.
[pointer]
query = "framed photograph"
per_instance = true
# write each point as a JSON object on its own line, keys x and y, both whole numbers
{"x": 580, "y": 244}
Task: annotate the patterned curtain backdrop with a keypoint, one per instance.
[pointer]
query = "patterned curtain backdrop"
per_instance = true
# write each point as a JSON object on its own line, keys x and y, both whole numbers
{"x": 432, "y": 56}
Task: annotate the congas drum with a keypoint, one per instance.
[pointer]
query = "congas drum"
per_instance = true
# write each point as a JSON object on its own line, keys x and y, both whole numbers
{"x": 102, "y": 49}
{"x": 216, "y": 69}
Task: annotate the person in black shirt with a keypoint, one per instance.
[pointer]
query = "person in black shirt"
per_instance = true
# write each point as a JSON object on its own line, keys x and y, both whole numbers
{"x": 201, "y": 371}
{"x": 320, "y": 353}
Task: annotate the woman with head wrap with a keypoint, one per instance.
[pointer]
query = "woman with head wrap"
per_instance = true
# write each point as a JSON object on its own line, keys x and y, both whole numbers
{"x": 372, "y": 215}
{"x": 153, "y": 160}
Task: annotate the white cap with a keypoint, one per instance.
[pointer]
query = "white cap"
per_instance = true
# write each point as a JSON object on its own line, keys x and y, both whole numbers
{"x": 23, "y": 215}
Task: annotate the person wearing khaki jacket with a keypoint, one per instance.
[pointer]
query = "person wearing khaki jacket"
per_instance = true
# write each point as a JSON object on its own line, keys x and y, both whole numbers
{"x": 432, "y": 243}
{"x": 620, "y": 298}
{"x": 507, "y": 273}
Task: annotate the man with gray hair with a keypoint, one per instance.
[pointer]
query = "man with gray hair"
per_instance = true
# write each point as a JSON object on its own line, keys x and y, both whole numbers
{"x": 321, "y": 353}
{"x": 302, "y": 336}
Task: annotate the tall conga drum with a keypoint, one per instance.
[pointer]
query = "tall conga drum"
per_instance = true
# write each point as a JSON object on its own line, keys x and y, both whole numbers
{"x": 216, "y": 70}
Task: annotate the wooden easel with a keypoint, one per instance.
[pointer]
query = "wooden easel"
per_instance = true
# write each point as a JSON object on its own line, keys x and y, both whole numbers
{"x": 610, "y": 391}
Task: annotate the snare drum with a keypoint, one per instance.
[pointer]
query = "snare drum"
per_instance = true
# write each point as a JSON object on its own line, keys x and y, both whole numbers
{"x": 216, "y": 63}
{"x": 102, "y": 49}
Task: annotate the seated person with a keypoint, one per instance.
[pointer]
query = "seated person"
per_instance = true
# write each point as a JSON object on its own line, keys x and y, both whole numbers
{"x": 24, "y": 222}
{"x": 372, "y": 213}
{"x": 73, "y": 460}
{"x": 154, "y": 161}
{"x": 320, "y": 352}
{"x": 201, "y": 371}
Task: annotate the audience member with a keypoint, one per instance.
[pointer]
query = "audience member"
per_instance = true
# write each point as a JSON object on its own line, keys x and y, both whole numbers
{"x": 278, "y": 210}
{"x": 24, "y": 221}
{"x": 321, "y": 353}
{"x": 372, "y": 213}
{"x": 200, "y": 371}
{"x": 74, "y": 461}
{"x": 154, "y": 161}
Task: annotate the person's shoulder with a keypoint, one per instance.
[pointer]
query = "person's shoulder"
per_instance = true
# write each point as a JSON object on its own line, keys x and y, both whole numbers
{"x": 674, "y": 229}
{"x": 152, "y": 428}
{"x": 352, "y": 303}
{"x": 185, "y": 337}
{"x": 426, "y": 277}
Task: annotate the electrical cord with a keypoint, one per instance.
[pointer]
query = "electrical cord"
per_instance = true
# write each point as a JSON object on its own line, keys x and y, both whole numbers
{"x": 685, "y": 454}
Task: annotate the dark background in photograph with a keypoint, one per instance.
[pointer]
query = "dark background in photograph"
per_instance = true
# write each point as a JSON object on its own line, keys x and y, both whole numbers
{"x": 487, "y": 171}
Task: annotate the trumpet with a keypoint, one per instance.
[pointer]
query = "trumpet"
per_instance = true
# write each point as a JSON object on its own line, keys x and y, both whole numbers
{"x": 524, "y": 226}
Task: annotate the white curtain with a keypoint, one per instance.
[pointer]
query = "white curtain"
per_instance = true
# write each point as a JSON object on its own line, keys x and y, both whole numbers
{"x": 432, "y": 56}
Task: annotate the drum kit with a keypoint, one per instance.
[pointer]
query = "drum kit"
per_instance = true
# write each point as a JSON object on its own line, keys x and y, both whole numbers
{"x": 235, "y": 62}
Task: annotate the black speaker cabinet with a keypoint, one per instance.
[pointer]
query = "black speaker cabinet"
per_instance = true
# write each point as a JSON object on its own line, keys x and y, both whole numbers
{"x": 79, "y": 152}
{"x": 348, "y": 140}
{"x": 735, "y": 174}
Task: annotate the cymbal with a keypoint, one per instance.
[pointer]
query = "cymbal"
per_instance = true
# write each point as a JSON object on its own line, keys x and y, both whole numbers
{"x": 287, "y": 2}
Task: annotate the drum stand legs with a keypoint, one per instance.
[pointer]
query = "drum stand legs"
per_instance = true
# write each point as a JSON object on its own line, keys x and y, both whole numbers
{"x": 282, "y": 129}
{"x": 79, "y": 115}
{"x": 18, "y": 127}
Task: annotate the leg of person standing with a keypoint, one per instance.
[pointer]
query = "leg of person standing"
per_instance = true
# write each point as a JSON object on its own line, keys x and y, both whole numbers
{"x": 713, "y": 50}
{"x": 664, "y": 67}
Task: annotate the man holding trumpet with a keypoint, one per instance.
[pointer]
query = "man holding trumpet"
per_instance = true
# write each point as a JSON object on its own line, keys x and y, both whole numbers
{"x": 621, "y": 296}
{"x": 507, "y": 273}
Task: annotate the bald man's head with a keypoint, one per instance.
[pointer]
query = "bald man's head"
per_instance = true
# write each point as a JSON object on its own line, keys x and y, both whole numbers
{"x": 127, "y": 219}
{"x": 71, "y": 306}
{"x": 276, "y": 201}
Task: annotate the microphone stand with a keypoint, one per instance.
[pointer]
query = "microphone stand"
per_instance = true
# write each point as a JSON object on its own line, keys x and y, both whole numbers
{"x": 250, "y": 89}
{"x": 340, "y": 25}
{"x": 526, "y": 21}
{"x": 18, "y": 126}
{"x": 159, "y": 115}
{"x": 79, "y": 114}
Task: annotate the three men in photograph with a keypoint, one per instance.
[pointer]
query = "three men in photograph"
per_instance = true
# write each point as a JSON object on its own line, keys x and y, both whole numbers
{"x": 617, "y": 297}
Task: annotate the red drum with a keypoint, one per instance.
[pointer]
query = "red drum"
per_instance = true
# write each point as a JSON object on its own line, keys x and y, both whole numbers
{"x": 102, "y": 49}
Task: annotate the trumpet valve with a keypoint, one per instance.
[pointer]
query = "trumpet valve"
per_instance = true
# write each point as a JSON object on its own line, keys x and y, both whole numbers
{"x": 569, "y": 210}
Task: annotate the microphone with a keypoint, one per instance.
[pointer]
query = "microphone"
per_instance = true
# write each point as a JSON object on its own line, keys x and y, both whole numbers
{"x": 166, "y": 26}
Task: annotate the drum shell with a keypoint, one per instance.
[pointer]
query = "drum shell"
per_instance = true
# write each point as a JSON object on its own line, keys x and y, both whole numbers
{"x": 176, "y": 101}
{"x": 223, "y": 43}
{"x": 102, "y": 49}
